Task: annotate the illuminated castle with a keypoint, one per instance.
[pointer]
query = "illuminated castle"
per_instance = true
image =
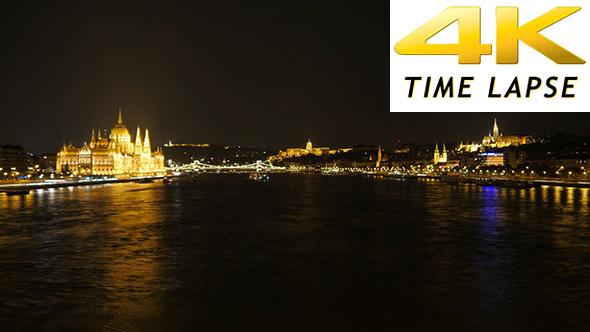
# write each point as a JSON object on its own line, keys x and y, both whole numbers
{"x": 116, "y": 155}
{"x": 309, "y": 149}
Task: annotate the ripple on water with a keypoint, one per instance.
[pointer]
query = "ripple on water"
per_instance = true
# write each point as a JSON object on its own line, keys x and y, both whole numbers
{"x": 302, "y": 252}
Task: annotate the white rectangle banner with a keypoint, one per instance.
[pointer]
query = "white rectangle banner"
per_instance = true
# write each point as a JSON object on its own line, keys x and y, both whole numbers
{"x": 424, "y": 80}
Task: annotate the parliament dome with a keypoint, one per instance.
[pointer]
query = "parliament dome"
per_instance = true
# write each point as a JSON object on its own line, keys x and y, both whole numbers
{"x": 120, "y": 133}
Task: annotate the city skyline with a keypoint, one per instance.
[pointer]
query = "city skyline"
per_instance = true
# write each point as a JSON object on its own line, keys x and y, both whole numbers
{"x": 447, "y": 129}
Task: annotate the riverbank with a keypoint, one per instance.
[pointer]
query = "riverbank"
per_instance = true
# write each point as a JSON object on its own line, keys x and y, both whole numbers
{"x": 24, "y": 187}
{"x": 479, "y": 179}
{"x": 498, "y": 181}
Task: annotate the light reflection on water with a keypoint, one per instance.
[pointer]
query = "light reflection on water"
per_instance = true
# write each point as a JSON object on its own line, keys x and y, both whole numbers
{"x": 303, "y": 252}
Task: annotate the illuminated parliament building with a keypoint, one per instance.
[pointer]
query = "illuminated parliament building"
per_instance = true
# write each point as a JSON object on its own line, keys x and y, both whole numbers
{"x": 116, "y": 155}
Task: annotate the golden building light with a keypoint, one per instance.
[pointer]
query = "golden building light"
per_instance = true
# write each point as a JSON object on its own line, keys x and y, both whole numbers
{"x": 112, "y": 156}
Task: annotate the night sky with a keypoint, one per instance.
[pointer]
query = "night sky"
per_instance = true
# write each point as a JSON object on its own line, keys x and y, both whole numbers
{"x": 257, "y": 73}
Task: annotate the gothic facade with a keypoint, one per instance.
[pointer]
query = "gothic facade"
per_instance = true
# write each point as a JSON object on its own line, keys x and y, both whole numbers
{"x": 116, "y": 155}
{"x": 438, "y": 156}
{"x": 496, "y": 140}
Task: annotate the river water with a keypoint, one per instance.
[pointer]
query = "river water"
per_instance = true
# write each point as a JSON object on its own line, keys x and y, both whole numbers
{"x": 302, "y": 252}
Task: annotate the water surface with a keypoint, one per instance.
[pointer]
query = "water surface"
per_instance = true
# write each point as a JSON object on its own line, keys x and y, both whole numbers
{"x": 302, "y": 252}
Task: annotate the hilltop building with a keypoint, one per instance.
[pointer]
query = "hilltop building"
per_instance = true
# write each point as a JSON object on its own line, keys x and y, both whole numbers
{"x": 496, "y": 140}
{"x": 113, "y": 156}
{"x": 309, "y": 149}
{"x": 438, "y": 156}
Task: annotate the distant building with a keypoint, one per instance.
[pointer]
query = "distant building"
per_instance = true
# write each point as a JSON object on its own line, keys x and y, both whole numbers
{"x": 190, "y": 145}
{"x": 214, "y": 154}
{"x": 496, "y": 140}
{"x": 309, "y": 149}
{"x": 563, "y": 162}
{"x": 13, "y": 158}
{"x": 49, "y": 162}
{"x": 116, "y": 155}
{"x": 438, "y": 156}
{"x": 468, "y": 159}
{"x": 490, "y": 159}
{"x": 515, "y": 158}
{"x": 469, "y": 147}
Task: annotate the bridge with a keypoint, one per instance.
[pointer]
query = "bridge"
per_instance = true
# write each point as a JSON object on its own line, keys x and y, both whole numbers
{"x": 196, "y": 166}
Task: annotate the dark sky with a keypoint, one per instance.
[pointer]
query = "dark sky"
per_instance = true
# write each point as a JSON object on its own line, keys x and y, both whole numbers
{"x": 256, "y": 73}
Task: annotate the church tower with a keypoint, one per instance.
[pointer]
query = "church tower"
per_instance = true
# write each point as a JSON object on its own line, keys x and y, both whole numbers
{"x": 496, "y": 130}
{"x": 436, "y": 154}
{"x": 308, "y": 146}
{"x": 440, "y": 157}
{"x": 379, "y": 157}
